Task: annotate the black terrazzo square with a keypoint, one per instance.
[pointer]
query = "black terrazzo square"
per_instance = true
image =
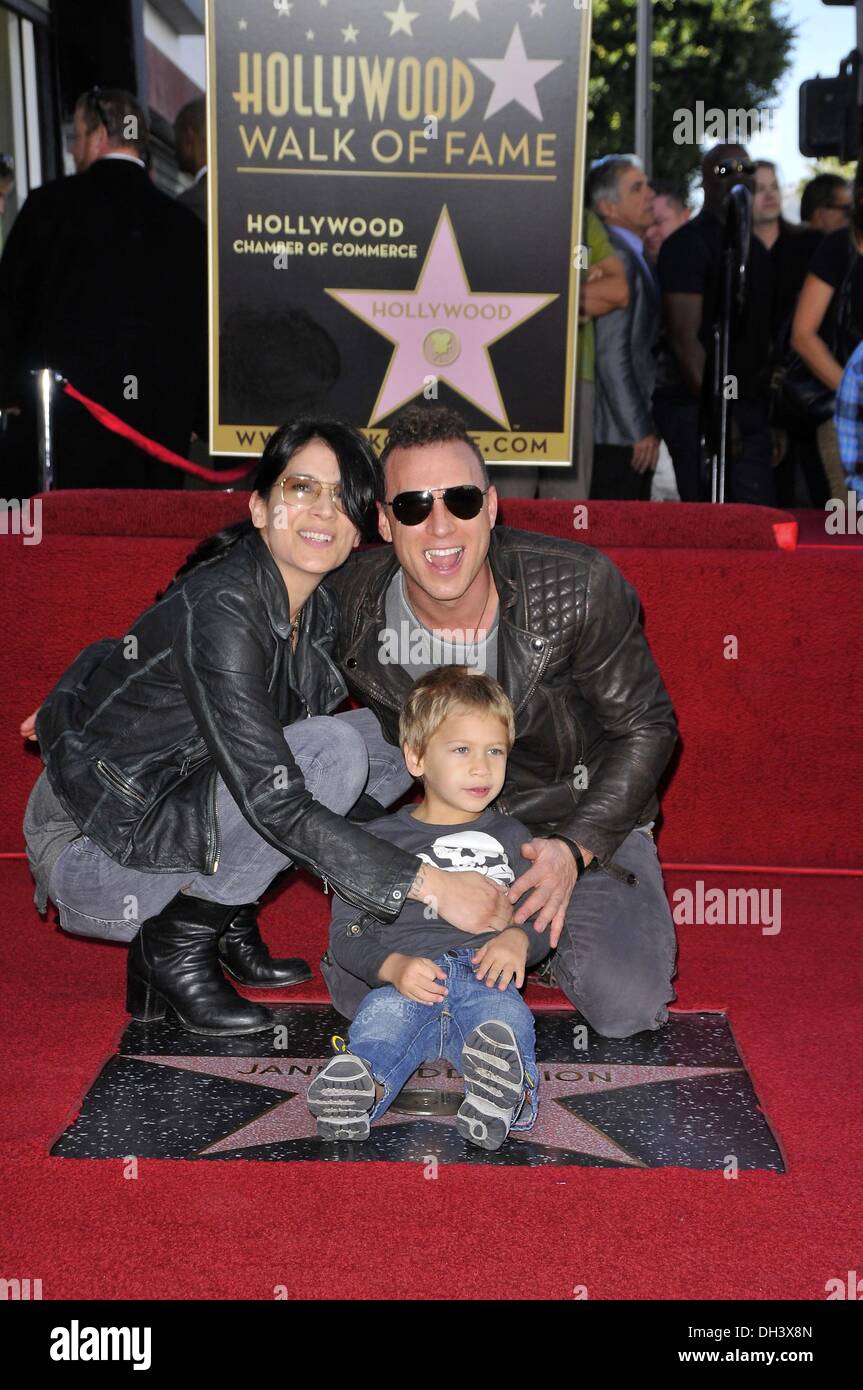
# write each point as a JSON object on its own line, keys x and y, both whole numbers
{"x": 677, "y": 1097}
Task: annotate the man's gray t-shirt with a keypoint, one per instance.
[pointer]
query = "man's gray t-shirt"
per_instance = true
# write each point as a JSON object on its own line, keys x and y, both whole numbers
{"x": 419, "y": 650}
{"x": 489, "y": 845}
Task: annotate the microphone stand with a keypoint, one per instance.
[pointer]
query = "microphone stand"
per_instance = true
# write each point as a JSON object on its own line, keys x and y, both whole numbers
{"x": 732, "y": 298}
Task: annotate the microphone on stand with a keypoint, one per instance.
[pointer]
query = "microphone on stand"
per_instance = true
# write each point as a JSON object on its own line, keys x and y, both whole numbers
{"x": 736, "y": 242}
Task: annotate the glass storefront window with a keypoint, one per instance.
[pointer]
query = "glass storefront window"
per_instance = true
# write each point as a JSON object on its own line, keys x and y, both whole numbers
{"x": 19, "y": 115}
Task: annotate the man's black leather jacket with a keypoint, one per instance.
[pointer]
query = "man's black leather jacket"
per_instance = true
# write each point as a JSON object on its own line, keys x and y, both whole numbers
{"x": 134, "y": 732}
{"x": 589, "y": 700}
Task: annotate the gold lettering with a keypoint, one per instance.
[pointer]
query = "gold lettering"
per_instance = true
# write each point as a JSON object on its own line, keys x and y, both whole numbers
{"x": 376, "y": 85}
{"x": 290, "y": 146}
{"x": 321, "y": 108}
{"x": 398, "y": 146}
{"x": 509, "y": 151}
{"x": 481, "y": 152}
{"x": 546, "y": 158}
{"x": 343, "y": 95}
{"x": 417, "y": 144}
{"x": 409, "y": 102}
{"x": 278, "y": 84}
{"x": 300, "y": 109}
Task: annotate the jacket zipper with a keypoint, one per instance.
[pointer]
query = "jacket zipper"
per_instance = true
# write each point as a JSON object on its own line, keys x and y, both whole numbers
{"x": 125, "y": 788}
{"x": 189, "y": 766}
{"x": 212, "y": 830}
{"x": 367, "y": 904}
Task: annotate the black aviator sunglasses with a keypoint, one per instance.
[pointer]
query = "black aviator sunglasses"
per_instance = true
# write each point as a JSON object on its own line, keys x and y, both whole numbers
{"x": 411, "y": 508}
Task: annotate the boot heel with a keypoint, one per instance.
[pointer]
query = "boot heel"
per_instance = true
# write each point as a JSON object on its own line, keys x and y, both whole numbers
{"x": 142, "y": 1001}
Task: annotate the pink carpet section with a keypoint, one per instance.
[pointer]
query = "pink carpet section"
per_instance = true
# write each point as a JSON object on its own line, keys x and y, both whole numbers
{"x": 237, "y": 1229}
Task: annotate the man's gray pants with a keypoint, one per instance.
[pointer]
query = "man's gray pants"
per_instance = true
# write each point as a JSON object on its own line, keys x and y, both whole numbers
{"x": 616, "y": 954}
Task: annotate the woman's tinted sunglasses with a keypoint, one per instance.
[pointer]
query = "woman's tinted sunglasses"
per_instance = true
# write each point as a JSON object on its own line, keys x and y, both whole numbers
{"x": 411, "y": 508}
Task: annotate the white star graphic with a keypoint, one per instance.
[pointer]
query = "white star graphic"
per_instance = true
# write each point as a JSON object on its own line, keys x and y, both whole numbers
{"x": 464, "y": 7}
{"x": 537, "y": 8}
{"x": 283, "y": 8}
{"x": 310, "y": 33}
{"x": 242, "y": 24}
{"x": 350, "y": 34}
{"x": 401, "y": 20}
{"x": 515, "y": 77}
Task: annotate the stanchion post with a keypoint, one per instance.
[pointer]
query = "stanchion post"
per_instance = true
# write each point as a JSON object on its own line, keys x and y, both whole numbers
{"x": 46, "y": 379}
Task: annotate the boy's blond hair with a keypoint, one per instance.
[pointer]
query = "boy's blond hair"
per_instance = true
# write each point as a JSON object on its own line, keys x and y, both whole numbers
{"x": 435, "y": 696}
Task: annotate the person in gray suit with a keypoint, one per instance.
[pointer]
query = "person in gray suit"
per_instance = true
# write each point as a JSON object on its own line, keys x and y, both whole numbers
{"x": 626, "y": 444}
{"x": 190, "y": 138}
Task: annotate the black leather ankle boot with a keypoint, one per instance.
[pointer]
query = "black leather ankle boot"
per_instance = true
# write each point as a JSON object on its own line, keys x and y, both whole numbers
{"x": 174, "y": 961}
{"x": 244, "y": 955}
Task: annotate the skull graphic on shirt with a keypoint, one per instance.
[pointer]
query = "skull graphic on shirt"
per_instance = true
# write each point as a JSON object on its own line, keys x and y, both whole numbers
{"x": 471, "y": 851}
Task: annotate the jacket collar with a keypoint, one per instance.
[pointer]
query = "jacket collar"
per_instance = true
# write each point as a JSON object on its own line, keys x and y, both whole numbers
{"x": 317, "y": 616}
{"x": 270, "y": 583}
{"x": 497, "y": 556}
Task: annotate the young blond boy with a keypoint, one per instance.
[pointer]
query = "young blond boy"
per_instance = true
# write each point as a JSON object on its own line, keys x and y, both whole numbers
{"x": 436, "y": 991}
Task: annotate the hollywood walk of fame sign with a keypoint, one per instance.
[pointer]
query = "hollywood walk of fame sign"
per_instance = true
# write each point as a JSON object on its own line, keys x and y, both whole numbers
{"x": 680, "y": 1096}
{"x": 395, "y": 215}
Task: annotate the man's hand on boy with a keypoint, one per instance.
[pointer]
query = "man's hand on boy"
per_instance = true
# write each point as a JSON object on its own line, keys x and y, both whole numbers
{"x": 416, "y": 977}
{"x": 502, "y": 959}
{"x": 469, "y": 901}
{"x": 552, "y": 878}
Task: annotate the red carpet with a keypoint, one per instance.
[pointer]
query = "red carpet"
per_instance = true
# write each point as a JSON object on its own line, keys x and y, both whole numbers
{"x": 193, "y": 1230}
{"x": 769, "y": 773}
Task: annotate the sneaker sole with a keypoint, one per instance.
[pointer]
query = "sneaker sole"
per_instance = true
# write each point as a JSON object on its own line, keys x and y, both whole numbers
{"x": 493, "y": 1083}
{"x": 341, "y": 1097}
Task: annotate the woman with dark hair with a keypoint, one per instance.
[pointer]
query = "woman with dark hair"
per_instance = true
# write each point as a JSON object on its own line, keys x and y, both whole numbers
{"x": 190, "y": 761}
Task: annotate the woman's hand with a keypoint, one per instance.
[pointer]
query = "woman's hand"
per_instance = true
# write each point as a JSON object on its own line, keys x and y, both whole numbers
{"x": 469, "y": 901}
{"x": 502, "y": 959}
{"x": 28, "y": 728}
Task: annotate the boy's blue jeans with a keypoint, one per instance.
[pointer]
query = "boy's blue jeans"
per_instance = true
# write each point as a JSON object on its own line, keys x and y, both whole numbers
{"x": 395, "y": 1035}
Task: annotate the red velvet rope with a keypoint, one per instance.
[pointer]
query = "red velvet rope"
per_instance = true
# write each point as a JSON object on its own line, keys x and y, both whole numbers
{"x": 117, "y": 426}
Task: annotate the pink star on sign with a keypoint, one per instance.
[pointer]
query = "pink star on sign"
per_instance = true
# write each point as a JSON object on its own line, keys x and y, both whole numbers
{"x": 441, "y": 329}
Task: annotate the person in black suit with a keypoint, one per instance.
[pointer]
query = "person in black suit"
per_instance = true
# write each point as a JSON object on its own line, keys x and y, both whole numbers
{"x": 103, "y": 278}
{"x": 190, "y": 139}
{"x": 689, "y": 267}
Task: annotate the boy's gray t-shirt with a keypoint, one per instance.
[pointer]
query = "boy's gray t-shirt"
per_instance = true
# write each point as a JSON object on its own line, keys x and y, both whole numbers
{"x": 490, "y": 845}
{"x": 419, "y": 650}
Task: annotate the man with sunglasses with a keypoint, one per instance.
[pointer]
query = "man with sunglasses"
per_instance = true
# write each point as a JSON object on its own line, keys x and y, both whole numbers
{"x": 689, "y": 269}
{"x": 557, "y": 625}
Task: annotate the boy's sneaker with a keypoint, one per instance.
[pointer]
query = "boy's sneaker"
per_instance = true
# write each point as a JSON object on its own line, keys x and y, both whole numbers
{"x": 341, "y": 1096}
{"x": 493, "y": 1084}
